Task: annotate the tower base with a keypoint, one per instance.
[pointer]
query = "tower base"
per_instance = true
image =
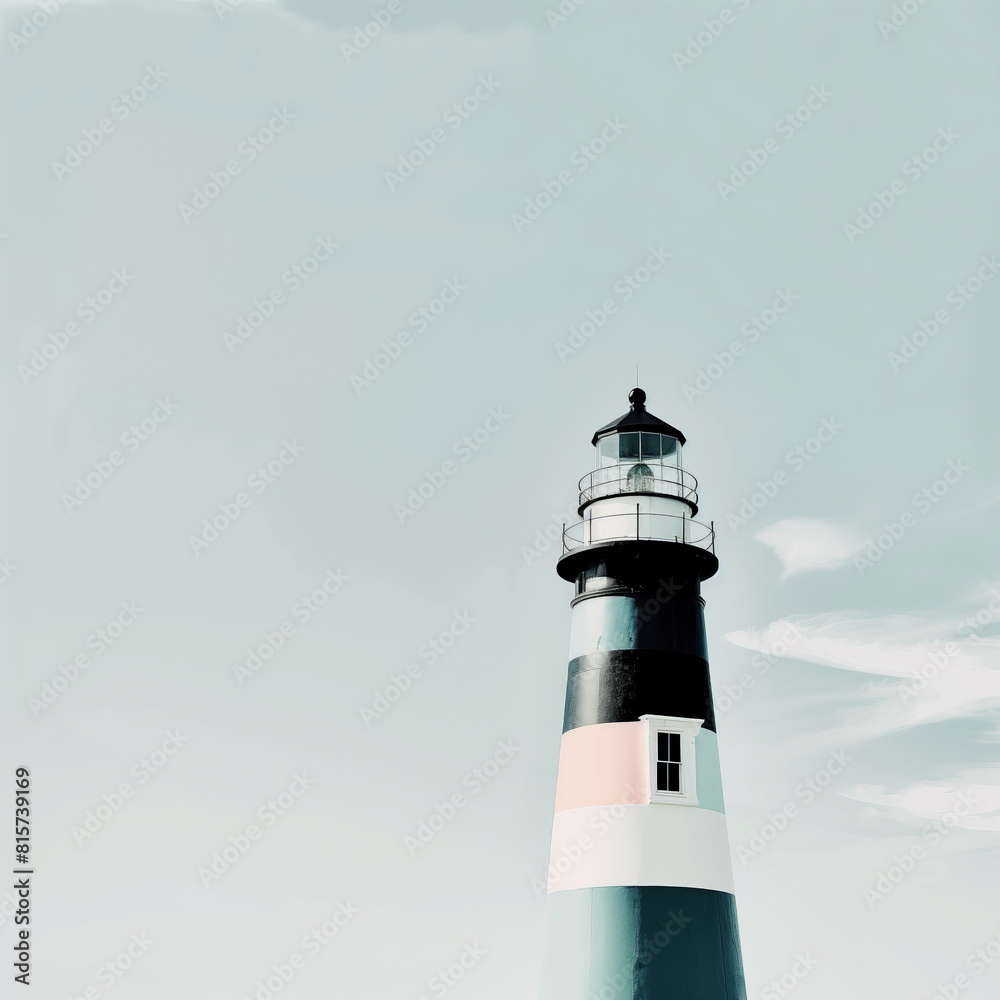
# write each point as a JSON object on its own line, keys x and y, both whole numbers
{"x": 642, "y": 943}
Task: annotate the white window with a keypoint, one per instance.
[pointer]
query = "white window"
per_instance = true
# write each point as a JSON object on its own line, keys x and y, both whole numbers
{"x": 672, "y": 775}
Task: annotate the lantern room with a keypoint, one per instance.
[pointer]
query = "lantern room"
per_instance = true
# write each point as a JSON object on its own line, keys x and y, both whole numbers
{"x": 638, "y": 454}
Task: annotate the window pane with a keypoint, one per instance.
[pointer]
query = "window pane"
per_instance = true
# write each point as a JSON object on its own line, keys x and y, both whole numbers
{"x": 668, "y": 777}
{"x": 607, "y": 448}
{"x": 650, "y": 447}
{"x": 663, "y": 746}
{"x": 628, "y": 446}
{"x": 668, "y": 447}
{"x": 675, "y": 747}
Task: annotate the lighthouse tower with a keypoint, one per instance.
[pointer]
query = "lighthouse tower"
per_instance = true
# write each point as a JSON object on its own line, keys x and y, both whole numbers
{"x": 640, "y": 883}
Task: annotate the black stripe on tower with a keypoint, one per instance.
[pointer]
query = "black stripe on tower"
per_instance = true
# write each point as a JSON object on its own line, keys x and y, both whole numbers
{"x": 621, "y": 685}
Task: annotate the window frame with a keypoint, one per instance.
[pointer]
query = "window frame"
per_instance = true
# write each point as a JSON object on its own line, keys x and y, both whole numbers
{"x": 687, "y": 729}
{"x": 629, "y": 459}
{"x": 606, "y": 456}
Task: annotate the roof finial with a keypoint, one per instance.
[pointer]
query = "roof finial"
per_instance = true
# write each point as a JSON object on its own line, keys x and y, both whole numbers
{"x": 638, "y": 400}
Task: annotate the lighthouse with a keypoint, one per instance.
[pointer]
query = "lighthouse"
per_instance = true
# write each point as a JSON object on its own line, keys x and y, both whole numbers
{"x": 640, "y": 884}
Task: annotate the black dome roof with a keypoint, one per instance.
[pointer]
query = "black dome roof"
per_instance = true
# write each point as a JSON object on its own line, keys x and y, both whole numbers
{"x": 638, "y": 419}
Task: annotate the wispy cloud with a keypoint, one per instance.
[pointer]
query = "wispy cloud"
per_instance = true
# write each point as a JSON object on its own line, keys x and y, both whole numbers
{"x": 891, "y": 645}
{"x": 805, "y": 543}
{"x": 972, "y": 803}
{"x": 932, "y": 668}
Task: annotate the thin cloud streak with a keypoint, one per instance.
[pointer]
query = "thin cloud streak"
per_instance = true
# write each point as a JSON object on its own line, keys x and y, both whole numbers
{"x": 807, "y": 543}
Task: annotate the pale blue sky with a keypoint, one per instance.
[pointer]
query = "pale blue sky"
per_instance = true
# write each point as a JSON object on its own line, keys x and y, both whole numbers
{"x": 223, "y": 77}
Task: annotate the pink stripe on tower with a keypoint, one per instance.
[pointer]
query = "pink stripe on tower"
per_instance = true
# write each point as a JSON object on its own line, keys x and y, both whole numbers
{"x": 605, "y": 764}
